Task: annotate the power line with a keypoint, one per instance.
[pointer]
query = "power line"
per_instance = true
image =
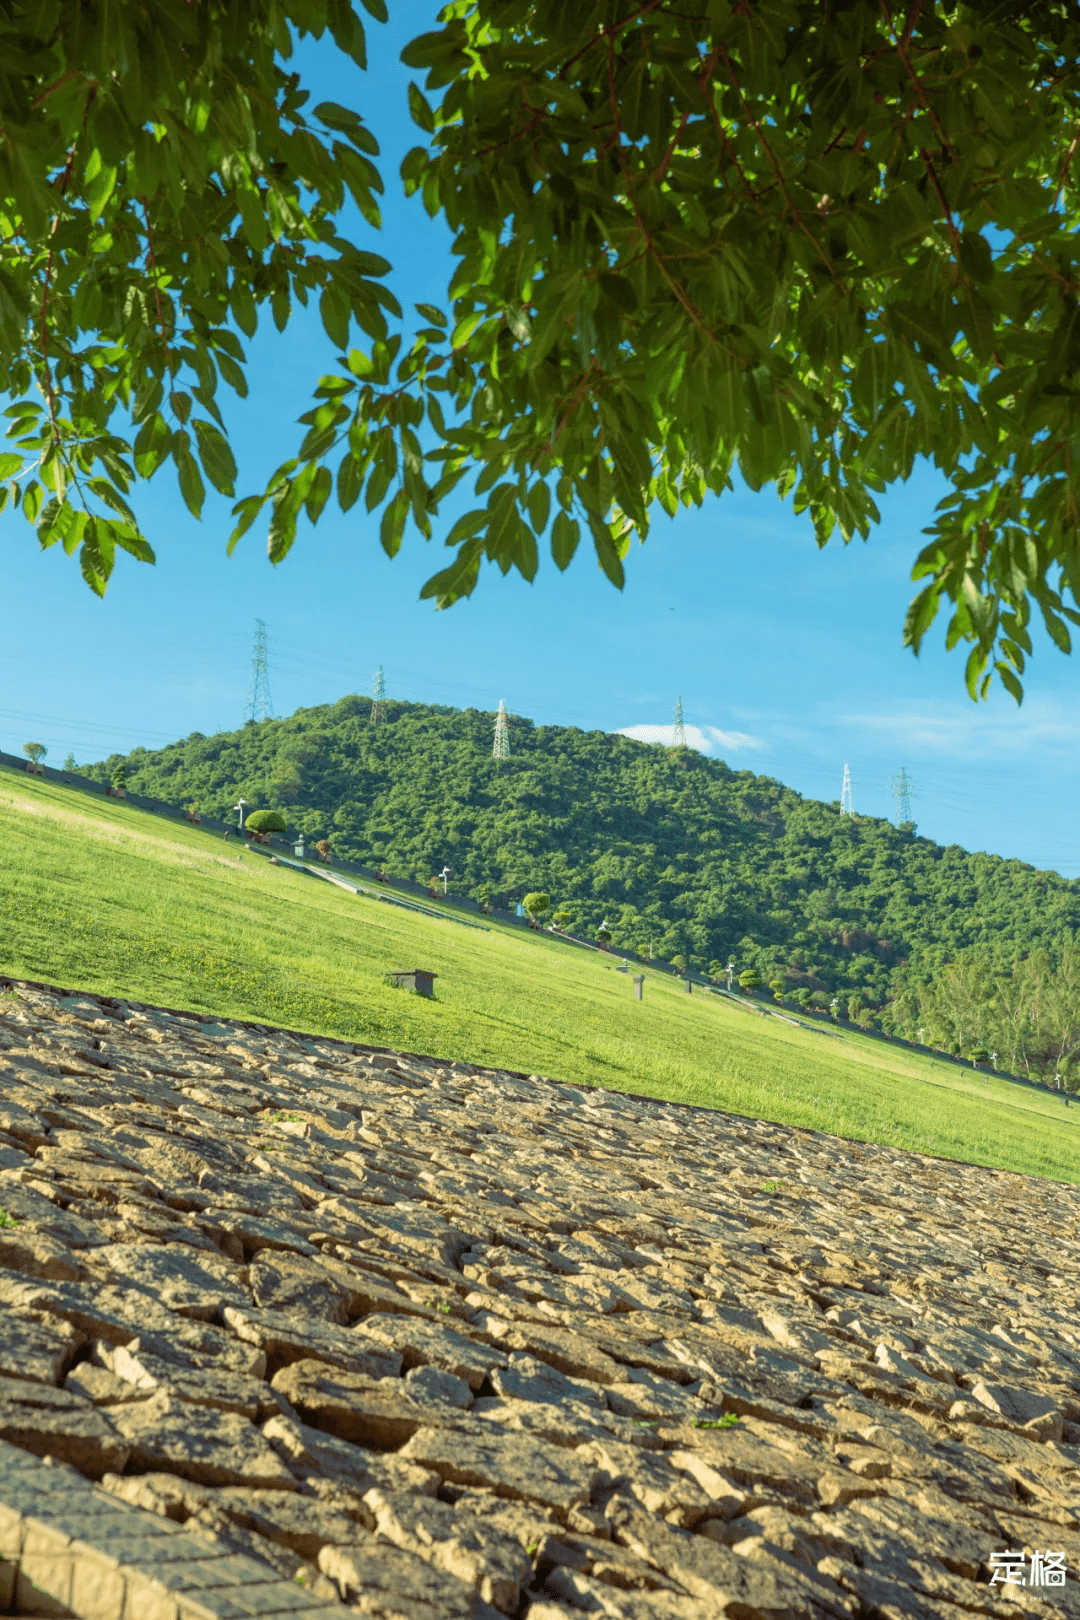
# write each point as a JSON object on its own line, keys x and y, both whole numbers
{"x": 378, "y": 693}
{"x": 260, "y": 704}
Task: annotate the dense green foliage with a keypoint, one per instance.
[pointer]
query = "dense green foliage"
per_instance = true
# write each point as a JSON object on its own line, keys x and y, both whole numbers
{"x": 1021, "y": 1012}
{"x": 808, "y": 243}
{"x": 670, "y": 848}
{"x": 160, "y": 183}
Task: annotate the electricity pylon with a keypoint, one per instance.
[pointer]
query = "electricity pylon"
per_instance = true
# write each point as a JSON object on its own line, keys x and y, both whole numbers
{"x": 260, "y": 704}
{"x": 501, "y": 750}
{"x": 678, "y": 733}
{"x": 903, "y": 790}
{"x": 846, "y": 808}
{"x": 377, "y": 696}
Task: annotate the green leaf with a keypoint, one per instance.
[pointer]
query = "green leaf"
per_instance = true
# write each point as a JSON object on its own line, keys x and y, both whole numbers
{"x": 216, "y": 457}
{"x": 432, "y": 313}
{"x": 335, "y": 310}
{"x": 606, "y": 554}
{"x": 242, "y": 304}
{"x": 318, "y": 495}
{"x": 1010, "y": 682}
{"x": 392, "y": 526}
{"x": 565, "y": 536}
{"x": 451, "y": 584}
{"x": 420, "y": 108}
{"x": 975, "y": 257}
{"x": 33, "y": 496}
{"x": 253, "y": 216}
{"x": 350, "y": 481}
{"x": 100, "y": 180}
{"x": 247, "y": 511}
{"x": 9, "y": 463}
{"x": 539, "y": 503}
{"x": 189, "y": 478}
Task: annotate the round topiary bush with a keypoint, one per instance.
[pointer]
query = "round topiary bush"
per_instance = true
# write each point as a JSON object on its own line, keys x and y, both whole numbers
{"x": 265, "y": 821}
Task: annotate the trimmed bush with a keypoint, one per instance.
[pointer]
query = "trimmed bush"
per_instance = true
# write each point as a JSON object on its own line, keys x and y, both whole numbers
{"x": 265, "y": 821}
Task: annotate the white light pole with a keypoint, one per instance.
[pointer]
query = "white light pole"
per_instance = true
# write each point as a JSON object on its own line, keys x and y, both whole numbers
{"x": 240, "y": 807}
{"x": 729, "y": 970}
{"x": 445, "y": 874}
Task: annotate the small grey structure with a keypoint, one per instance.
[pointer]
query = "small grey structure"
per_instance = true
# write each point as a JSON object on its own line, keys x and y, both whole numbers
{"x": 639, "y": 985}
{"x": 417, "y": 979}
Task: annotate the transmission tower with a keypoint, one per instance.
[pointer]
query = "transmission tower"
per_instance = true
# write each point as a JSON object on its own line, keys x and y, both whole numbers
{"x": 903, "y": 789}
{"x": 846, "y": 807}
{"x": 501, "y": 750}
{"x": 260, "y": 704}
{"x": 377, "y": 696}
{"x": 678, "y": 733}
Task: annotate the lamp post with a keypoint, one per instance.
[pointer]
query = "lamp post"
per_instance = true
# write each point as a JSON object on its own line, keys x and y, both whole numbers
{"x": 239, "y": 806}
{"x": 729, "y": 970}
{"x": 445, "y": 874}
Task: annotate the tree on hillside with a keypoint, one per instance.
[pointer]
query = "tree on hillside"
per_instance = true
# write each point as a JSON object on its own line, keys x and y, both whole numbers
{"x": 749, "y": 979}
{"x": 35, "y": 752}
{"x": 260, "y": 823}
{"x": 854, "y": 228}
{"x": 537, "y": 904}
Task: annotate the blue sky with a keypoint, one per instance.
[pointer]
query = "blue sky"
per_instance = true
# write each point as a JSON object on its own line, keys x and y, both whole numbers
{"x": 788, "y": 660}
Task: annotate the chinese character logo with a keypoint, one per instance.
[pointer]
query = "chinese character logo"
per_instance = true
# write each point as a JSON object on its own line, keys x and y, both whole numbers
{"x": 1045, "y": 1569}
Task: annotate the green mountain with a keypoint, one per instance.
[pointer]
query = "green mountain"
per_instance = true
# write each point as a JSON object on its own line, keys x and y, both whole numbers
{"x": 670, "y": 848}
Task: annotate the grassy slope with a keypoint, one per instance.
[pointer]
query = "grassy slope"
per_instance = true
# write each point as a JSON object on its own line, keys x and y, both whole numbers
{"x": 104, "y": 897}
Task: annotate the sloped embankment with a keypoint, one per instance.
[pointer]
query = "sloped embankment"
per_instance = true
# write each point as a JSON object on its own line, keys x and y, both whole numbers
{"x": 431, "y": 1342}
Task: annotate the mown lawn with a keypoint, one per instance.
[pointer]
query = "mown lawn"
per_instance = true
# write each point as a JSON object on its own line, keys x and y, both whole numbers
{"x": 99, "y": 896}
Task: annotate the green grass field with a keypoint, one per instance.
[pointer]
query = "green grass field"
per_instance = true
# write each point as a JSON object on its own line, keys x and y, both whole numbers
{"x": 99, "y": 896}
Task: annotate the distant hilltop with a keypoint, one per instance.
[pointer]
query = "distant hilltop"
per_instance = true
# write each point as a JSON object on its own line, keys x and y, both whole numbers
{"x": 668, "y": 848}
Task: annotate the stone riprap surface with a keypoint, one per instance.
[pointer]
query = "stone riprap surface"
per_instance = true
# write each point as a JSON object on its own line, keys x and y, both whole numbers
{"x": 355, "y": 1328}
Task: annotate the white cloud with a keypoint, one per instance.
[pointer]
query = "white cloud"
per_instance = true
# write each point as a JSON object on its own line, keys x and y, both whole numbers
{"x": 706, "y": 739}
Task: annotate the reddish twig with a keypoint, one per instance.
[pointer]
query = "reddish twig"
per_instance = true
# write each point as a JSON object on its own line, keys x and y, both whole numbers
{"x": 1063, "y": 171}
{"x": 942, "y": 199}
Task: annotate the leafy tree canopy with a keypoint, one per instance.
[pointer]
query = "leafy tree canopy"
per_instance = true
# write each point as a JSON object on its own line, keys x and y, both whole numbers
{"x": 809, "y": 243}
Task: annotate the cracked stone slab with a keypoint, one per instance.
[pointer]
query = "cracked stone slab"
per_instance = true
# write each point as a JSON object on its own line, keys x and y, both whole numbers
{"x": 368, "y": 1328}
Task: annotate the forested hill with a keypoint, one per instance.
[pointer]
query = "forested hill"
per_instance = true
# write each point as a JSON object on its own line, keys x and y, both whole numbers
{"x": 669, "y": 847}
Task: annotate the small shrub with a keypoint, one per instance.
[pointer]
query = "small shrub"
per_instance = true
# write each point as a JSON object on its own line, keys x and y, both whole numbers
{"x": 265, "y": 821}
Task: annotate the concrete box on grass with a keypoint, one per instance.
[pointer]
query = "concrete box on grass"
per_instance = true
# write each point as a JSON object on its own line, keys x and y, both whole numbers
{"x": 416, "y": 979}
{"x": 639, "y": 985}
